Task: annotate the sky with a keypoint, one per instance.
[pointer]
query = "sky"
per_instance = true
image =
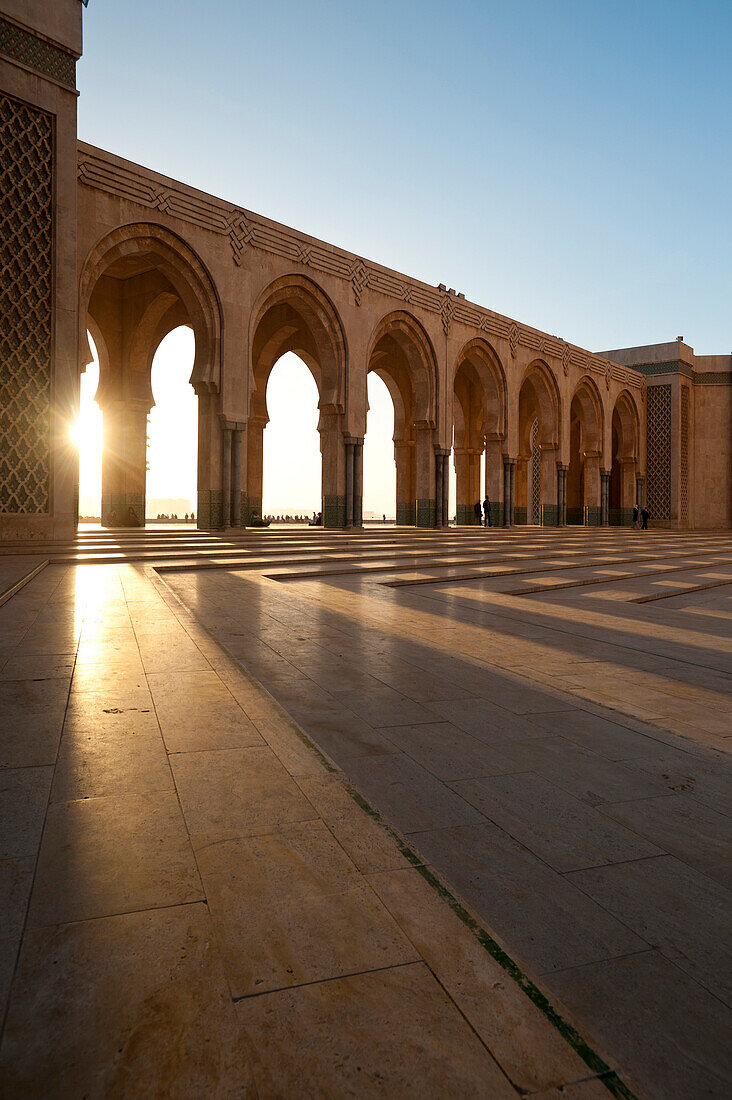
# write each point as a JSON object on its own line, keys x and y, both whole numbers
{"x": 565, "y": 162}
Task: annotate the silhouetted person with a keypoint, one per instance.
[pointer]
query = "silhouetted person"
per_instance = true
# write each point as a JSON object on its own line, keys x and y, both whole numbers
{"x": 132, "y": 520}
{"x": 478, "y": 513}
{"x": 645, "y": 516}
{"x": 487, "y": 510}
{"x": 112, "y": 519}
{"x": 635, "y": 517}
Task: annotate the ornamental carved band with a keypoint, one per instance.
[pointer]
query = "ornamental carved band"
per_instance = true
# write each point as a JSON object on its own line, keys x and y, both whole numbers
{"x": 26, "y": 271}
{"x": 37, "y": 54}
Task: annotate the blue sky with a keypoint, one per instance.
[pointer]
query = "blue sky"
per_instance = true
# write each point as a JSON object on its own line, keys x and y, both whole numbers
{"x": 566, "y": 163}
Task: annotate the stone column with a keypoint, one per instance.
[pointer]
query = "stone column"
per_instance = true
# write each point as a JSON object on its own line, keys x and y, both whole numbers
{"x": 464, "y": 508}
{"x": 358, "y": 483}
{"x": 446, "y": 489}
{"x": 604, "y": 498}
{"x": 236, "y": 480}
{"x": 124, "y": 462}
{"x": 562, "y": 493}
{"x": 349, "y": 482}
{"x": 640, "y": 485}
{"x": 255, "y": 445}
{"x": 405, "y": 488}
{"x": 494, "y": 478}
{"x": 509, "y": 485}
{"x": 593, "y": 489}
{"x": 333, "y": 453}
{"x": 226, "y": 476}
{"x": 424, "y": 460}
{"x": 438, "y": 488}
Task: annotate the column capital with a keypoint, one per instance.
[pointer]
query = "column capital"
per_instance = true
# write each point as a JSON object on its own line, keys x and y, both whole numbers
{"x": 442, "y": 451}
{"x": 509, "y": 461}
{"x": 353, "y": 440}
{"x": 604, "y": 472}
{"x": 562, "y": 467}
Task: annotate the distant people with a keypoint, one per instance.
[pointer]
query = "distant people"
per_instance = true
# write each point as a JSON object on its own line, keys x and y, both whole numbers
{"x": 645, "y": 516}
{"x": 478, "y": 513}
{"x": 193, "y": 518}
{"x": 112, "y": 519}
{"x": 487, "y": 510}
{"x": 635, "y": 518}
{"x": 132, "y": 520}
{"x": 384, "y": 519}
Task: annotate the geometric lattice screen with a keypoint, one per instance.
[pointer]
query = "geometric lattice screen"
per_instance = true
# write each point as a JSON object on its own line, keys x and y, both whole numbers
{"x": 658, "y": 452}
{"x": 684, "y": 458}
{"x": 535, "y": 476}
{"x": 26, "y": 285}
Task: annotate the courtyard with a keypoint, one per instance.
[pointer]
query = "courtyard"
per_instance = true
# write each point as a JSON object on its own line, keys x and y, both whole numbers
{"x": 385, "y": 812}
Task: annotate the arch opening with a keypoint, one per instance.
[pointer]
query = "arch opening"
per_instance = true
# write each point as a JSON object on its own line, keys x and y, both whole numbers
{"x": 402, "y": 357}
{"x": 624, "y": 462}
{"x": 291, "y": 460}
{"x": 294, "y": 319}
{"x": 379, "y": 455}
{"x": 538, "y": 439}
{"x": 140, "y": 284}
{"x": 585, "y": 448}
{"x": 478, "y": 431}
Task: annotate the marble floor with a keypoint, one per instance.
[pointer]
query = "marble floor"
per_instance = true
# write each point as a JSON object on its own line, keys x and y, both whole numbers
{"x": 534, "y": 900}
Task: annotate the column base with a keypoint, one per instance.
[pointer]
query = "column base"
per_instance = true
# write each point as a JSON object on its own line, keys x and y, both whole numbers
{"x": 210, "y": 511}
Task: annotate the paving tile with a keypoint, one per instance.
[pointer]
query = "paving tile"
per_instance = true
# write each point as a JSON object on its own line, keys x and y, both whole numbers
{"x": 529, "y": 1049}
{"x": 289, "y": 908}
{"x": 229, "y": 793}
{"x": 487, "y": 721}
{"x": 116, "y": 854}
{"x": 584, "y": 774}
{"x": 562, "y": 830}
{"x": 451, "y": 754}
{"x": 674, "y": 908}
{"x": 684, "y": 827}
{"x": 407, "y": 795}
{"x": 197, "y": 711}
{"x": 366, "y": 842}
{"x": 540, "y": 916}
{"x": 337, "y": 730}
{"x": 16, "y": 878}
{"x": 393, "y": 1033}
{"x": 168, "y": 1029}
{"x": 592, "y": 1089}
{"x": 38, "y": 667}
{"x": 23, "y": 802}
{"x": 381, "y": 706}
{"x": 96, "y": 759}
{"x": 708, "y": 777}
{"x": 597, "y": 734}
{"x": 667, "y": 1032}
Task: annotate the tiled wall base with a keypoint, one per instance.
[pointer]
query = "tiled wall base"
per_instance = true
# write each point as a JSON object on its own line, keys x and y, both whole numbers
{"x": 466, "y": 516}
{"x": 334, "y": 511}
{"x": 519, "y": 516}
{"x": 549, "y": 513}
{"x": 406, "y": 514}
{"x": 575, "y": 517}
{"x": 425, "y": 513}
{"x": 210, "y": 509}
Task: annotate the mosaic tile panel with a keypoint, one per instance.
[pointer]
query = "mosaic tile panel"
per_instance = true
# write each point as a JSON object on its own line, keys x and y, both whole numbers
{"x": 406, "y": 514}
{"x": 26, "y": 305}
{"x": 426, "y": 511}
{"x": 334, "y": 511}
{"x": 684, "y": 458}
{"x": 658, "y": 487}
{"x": 37, "y": 54}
